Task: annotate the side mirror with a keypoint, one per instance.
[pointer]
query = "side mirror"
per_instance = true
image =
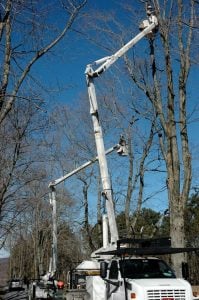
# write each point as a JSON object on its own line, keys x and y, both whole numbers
{"x": 103, "y": 269}
{"x": 185, "y": 270}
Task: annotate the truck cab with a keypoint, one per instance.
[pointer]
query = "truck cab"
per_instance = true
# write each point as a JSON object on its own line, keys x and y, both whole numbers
{"x": 143, "y": 278}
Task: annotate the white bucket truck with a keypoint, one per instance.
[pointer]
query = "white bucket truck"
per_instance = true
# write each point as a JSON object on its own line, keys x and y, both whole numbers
{"x": 126, "y": 272}
{"x": 133, "y": 273}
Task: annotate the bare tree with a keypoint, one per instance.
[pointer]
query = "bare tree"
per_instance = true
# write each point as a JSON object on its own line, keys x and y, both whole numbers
{"x": 138, "y": 176}
{"x": 19, "y": 56}
{"x": 27, "y": 33}
{"x": 170, "y": 105}
{"x": 30, "y": 241}
{"x": 18, "y": 157}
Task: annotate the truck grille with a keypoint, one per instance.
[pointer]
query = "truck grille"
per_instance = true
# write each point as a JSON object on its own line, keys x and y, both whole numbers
{"x": 166, "y": 295}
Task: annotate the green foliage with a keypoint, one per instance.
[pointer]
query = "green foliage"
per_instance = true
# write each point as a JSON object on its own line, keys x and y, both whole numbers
{"x": 146, "y": 222}
{"x": 191, "y": 235}
{"x": 192, "y": 220}
{"x": 149, "y": 223}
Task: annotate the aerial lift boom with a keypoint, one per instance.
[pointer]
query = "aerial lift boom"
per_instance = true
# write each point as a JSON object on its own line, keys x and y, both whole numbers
{"x": 103, "y": 64}
{"x": 121, "y": 149}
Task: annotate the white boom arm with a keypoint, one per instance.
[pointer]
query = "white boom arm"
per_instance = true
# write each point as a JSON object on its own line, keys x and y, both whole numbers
{"x": 80, "y": 168}
{"x": 53, "y": 264}
{"x": 106, "y": 62}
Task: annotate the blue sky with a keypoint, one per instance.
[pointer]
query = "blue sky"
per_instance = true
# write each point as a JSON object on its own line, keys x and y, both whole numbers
{"x": 68, "y": 69}
{"x": 75, "y": 52}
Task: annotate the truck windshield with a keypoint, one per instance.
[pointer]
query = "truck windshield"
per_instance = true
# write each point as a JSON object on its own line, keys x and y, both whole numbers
{"x": 145, "y": 268}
